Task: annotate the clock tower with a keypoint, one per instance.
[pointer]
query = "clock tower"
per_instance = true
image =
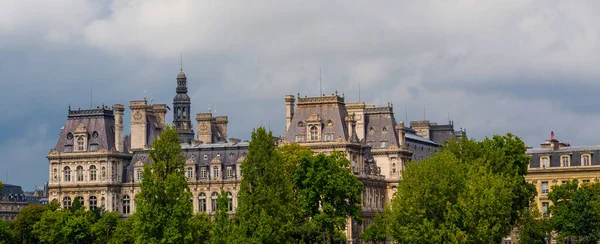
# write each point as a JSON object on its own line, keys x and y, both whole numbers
{"x": 181, "y": 108}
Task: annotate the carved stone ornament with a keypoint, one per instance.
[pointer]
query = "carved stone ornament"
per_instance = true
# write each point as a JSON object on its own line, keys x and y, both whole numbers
{"x": 53, "y": 152}
{"x": 203, "y": 127}
{"x": 554, "y": 180}
{"x": 137, "y": 116}
{"x": 80, "y": 129}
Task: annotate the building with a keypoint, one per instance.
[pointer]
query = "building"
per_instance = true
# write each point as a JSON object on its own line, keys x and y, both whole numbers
{"x": 96, "y": 163}
{"x": 374, "y": 142}
{"x": 12, "y": 200}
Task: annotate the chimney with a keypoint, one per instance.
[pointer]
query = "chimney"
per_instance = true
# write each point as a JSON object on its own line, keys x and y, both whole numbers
{"x": 138, "y": 124}
{"x": 421, "y": 127}
{"x": 401, "y": 134}
{"x": 351, "y": 124}
{"x": 119, "y": 139}
{"x": 289, "y": 110}
{"x": 160, "y": 111}
{"x": 204, "y": 121}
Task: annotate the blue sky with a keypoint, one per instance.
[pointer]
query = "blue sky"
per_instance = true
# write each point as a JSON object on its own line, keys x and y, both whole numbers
{"x": 526, "y": 67}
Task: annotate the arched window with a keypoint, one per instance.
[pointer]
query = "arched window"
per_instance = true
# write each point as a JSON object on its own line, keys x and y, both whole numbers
{"x": 230, "y": 202}
{"x": 178, "y": 112}
{"x": 126, "y": 204}
{"x": 79, "y": 173}
{"x": 93, "y": 173}
{"x": 314, "y": 133}
{"x": 201, "y": 202}
{"x": 184, "y": 112}
{"x": 213, "y": 201}
{"x": 67, "y": 173}
{"x": 189, "y": 172}
{"x": 66, "y": 202}
{"x": 93, "y": 202}
{"x": 80, "y": 141}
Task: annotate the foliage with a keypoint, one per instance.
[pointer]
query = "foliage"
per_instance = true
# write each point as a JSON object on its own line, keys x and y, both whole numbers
{"x": 378, "y": 230}
{"x": 163, "y": 204}
{"x": 1, "y": 185}
{"x": 49, "y": 228}
{"x": 221, "y": 228}
{"x": 6, "y": 234}
{"x": 532, "y": 228}
{"x": 328, "y": 192}
{"x": 123, "y": 232}
{"x": 201, "y": 226}
{"x": 266, "y": 198}
{"x": 28, "y": 216}
{"x": 576, "y": 211}
{"x": 469, "y": 192}
{"x": 76, "y": 206}
{"x": 291, "y": 155}
{"x": 103, "y": 230}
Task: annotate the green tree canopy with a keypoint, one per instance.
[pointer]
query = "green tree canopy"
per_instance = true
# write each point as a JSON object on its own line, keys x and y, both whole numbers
{"x": 328, "y": 192}
{"x": 221, "y": 228}
{"x": 576, "y": 211}
{"x": 164, "y": 208}
{"x": 266, "y": 198}
{"x": 103, "y": 230}
{"x": 469, "y": 192}
{"x": 532, "y": 228}
{"x": 28, "y": 216}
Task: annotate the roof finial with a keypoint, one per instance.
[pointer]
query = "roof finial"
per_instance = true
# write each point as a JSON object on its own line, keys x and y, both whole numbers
{"x": 181, "y": 62}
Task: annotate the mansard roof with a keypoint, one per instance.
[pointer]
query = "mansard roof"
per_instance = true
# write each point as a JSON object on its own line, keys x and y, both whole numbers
{"x": 326, "y": 108}
{"x": 380, "y": 125}
{"x": 99, "y": 120}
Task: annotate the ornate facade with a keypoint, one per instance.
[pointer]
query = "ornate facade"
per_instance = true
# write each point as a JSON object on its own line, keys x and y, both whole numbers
{"x": 94, "y": 162}
{"x": 12, "y": 200}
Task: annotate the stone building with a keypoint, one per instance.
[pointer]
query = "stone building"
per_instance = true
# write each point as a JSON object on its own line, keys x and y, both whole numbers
{"x": 95, "y": 162}
{"x": 12, "y": 200}
{"x": 376, "y": 145}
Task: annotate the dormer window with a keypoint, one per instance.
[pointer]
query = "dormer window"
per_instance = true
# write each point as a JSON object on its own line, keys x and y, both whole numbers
{"x": 205, "y": 156}
{"x": 314, "y": 133}
{"x": 231, "y": 155}
{"x": 564, "y": 161}
{"x": 93, "y": 147}
{"x": 80, "y": 143}
{"x": 384, "y": 144}
{"x": 545, "y": 162}
{"x": 69, "y": 136}
{"x": 300, "y": 124}
{"x": 329, "y": 137}
{"x": 585, "y": 159}
{"x": 95, "y": 134}
{"x": 300, "y": 138}
{"x": 68, "y": 148}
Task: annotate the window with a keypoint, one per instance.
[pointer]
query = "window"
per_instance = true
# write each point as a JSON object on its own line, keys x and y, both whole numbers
{"x": 384, "y": 144}
{"x": 92, "y": 173}
{"x": 300, "y": 124}
{"x": 231, "y": 155}
{"x": 203, "y": 172}
{"x": 68, "y": 148}
{"x": 564, "y": 161}
{"x": 67, "y": 173}
{"x": 329, "y": 137}
{"x": 126, "y": 204}
{"x": 564, "y": 182}
{"x": 69, "y": 136}
{"x": 205, "y": 156}
{"x": 80, "y": 142}
{"x": 93, "y": 202}
{"x": 585, "y": 181}
{"x": 299, "y": 138}
{"x": 95, "y": 134}
{"x": 213, "y": 202}
{"x": 202, "y": 202}
{"x": 79, "y": 173}
{"x": 93, "y": 147}
{"x": 230, "y": 202}
{"x": 189, "y": 172}
{"x": 66, "y": 202}
{"x": 586, "y": 160}
{"x": 216, "y": 172}
{"x": 139, "y": 174}
{"x": 314, "y": 133}
{"x": 545, "y": 187}
{"x": 545, "y": 208}
{"x": 544, "y": 162}
{"x": 229, "y": 172}
{"x": 507, "y": 242}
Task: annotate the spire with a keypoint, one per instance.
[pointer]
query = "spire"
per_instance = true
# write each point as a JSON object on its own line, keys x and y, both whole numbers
{"x": 181, "y": 62}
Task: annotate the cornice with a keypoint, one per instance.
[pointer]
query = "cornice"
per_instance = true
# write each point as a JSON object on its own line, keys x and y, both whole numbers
{"x": 87, "y": 155}
{"x": 563, "y": 169}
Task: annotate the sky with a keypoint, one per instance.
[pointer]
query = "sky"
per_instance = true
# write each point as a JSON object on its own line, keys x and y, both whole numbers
{"x": 519, "y": 66}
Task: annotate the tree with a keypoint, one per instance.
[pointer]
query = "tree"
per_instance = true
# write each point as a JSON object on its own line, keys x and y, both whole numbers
{"x": 163, "y": 205}
{"x": 532, "y": 228}
{"x": 328, "y": 193}
{"x": 6, "y": 234}
{"x": 221, "y": 228}
{"x": 469, "y": 192}
{"x": 201, "y": 227}
{"x": 28, "y": 216}
{"x": 266, "y": 199}
{"x": 378, "y": 230}
{"x": 123, "y": 233}
{"x": 49, "y": 228}
{"x": 576, "y": 211}
{"x": 291, "y": 155}
{"x": 104, "y": 229}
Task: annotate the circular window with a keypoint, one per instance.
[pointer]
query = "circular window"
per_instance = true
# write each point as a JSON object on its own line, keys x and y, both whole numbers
{"x": 329, "y": 123}
{"x": 95, "y": 134}
{"x": 69, "y": 136}
{"x": 371, "y": 130}
{"x": 384, "y": 130}
{"x": 300, "y": 124}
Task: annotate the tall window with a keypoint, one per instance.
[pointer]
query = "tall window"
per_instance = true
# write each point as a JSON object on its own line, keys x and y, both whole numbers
{"x": 229, "y": 172}
{"x": 139, "y": 174}
{"x": 66, "y": 202}
{"x": 216, "y": 172}
{"x": 213, "y": 201}
{"x": 92, "y": 172}
{"x": 314, "y": 133}
{"x": 203, "y": 172}
{"x": 586, "y": 160}
{"x": 80, "y": 146}
{"x": 93, "y": 202}
{"x": 230, "y": 202}
{"x": 545, "y": 188}
{"x": 564, "y": 161}
{"x": 79, "y": 173}
{"x": 67, "y": 173}
{"x": 545, "y": 208}
{"x": 126, "y": 204}
{"x": 202, "y": 202}
{"x": 544, "y": 162}
{"x": 189, "y": 172}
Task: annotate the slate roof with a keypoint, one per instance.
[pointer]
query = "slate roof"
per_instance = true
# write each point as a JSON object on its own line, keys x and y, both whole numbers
{"x": 378, "y": 119}
{"x": 101, "y": 120}
{"x": 329, "y": 108}
{"x": 575, "y": 152}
